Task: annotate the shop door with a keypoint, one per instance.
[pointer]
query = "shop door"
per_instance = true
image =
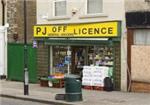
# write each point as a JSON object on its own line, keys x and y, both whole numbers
{"x": 78, "y": 59}
{"x": 60, "y": 59}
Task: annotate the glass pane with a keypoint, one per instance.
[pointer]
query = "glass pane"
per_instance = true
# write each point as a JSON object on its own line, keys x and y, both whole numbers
{"x": 141, "y": 37}
{"x": 94, "y": 6}
{"x": 60, "y": 8}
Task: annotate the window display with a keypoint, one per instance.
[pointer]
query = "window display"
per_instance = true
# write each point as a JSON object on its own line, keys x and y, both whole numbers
{"x": 100, "y": 56}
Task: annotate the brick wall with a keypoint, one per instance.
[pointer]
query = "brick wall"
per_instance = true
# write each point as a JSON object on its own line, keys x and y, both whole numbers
{"x": 15, "y": 18}
{"x": 11, "y": 18}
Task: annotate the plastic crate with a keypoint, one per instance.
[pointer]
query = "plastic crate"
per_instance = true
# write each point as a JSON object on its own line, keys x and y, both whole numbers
{"x": 88, "y": 87}
{"x": 43, "y": 83}
{"x": 58, "y": 83}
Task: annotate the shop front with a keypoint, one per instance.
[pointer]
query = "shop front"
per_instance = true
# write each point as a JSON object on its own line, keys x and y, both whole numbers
{"x": 83, "y": 53}
{"x": 73, "y": 47}
{"x": 138, "y": 42}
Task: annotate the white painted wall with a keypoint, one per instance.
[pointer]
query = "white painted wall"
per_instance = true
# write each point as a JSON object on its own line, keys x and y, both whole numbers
{"x": 137, "y": 5}
{"x": 112, "y": 10}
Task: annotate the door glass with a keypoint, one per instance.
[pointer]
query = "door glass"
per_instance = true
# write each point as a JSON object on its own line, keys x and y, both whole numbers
{"x": 78, "y": 59}
{"x": 60, "y": 61}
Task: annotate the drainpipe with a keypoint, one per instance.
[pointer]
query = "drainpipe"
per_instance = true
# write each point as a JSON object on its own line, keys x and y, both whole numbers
{"x": 3, "y": 11}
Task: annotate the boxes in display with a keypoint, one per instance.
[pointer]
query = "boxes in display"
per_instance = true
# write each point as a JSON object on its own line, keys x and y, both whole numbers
{"x": 94, "y": 75}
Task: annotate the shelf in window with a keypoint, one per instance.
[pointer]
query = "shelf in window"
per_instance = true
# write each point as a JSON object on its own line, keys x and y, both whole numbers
{"x": 106, "y": 65}
{"x": 109, "y": 65}
{"x": 108, "y": 59}
{"x": 109, "y": 55}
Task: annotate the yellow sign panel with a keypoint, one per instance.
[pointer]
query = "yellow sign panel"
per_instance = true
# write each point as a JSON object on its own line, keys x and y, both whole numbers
{"x": 106, "y": 29}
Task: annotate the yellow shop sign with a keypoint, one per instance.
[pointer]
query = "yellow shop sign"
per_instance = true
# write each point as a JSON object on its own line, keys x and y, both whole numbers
{"x": 105, "y": 29}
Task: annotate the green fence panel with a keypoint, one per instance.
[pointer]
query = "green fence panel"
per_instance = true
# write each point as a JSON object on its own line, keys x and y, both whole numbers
{"x": 16, "y": 62}
{"x": 32, "y": 64}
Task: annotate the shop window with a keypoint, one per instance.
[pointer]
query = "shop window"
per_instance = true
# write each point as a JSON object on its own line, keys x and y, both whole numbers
{"x": 142, "y": 37}
{"x": 81, "y": 56}
{"x": 94, "y": 6}
{"x": 59, "y": 7}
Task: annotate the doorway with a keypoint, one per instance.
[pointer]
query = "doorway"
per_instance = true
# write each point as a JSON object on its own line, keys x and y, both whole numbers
{"x": 78, "y": 59}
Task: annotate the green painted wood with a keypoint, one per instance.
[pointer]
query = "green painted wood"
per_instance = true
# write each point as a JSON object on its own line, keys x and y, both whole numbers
{"x": 16, "y": 62}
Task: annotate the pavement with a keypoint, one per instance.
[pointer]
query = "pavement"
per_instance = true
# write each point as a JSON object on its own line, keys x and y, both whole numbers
{"x": 12, "y": 101}
{"x": 12, "y": 89}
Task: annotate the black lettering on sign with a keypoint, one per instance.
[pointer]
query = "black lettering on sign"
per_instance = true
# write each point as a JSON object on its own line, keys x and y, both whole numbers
{"x": 96, "y": 31}
{"x": 59, "y": 28}
{"x": 38, "y": 29}
{"x": 54, "y": 29}
{"x": 44, "y": 31}
{"x": 110, "y": 30}
{"x": 90, "y": 31}
{"x": 84, "y": 31}
{"x": 64, "y": 28}
{"x": 75, "y": 31}
{"x": 103, "y": 30}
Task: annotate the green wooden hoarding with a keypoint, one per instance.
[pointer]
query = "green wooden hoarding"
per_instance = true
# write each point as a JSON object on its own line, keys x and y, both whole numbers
{"x": 16, "y": 62}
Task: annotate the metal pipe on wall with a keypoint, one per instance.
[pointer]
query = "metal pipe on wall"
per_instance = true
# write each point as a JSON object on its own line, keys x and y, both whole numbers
{"x": 3, "y": 11}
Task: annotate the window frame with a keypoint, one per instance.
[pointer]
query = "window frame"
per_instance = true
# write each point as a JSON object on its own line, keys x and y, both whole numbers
{"x": 54, "y": 10}
{"x": 86, "y": 9}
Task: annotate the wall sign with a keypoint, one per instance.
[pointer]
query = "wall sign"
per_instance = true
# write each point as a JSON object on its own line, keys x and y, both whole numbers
{"x": 105, "y": 29}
